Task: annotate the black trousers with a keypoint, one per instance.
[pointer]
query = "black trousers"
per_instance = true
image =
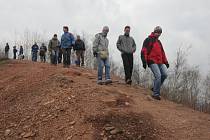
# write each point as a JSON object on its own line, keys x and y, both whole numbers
{"x": 14, "y": 55}
{"x": 66, "y": 56}
{"x": 60, "y": 56}
{"x": 128, "y": 65}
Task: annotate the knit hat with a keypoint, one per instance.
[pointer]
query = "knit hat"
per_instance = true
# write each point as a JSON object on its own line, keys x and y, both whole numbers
{"x": 158, "y": 29}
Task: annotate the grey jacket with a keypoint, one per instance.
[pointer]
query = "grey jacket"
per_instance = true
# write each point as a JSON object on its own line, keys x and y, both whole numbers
{"x": 100, "y": 43}
{"x": 126, "y": 44}
{"x": 54, "y": 44}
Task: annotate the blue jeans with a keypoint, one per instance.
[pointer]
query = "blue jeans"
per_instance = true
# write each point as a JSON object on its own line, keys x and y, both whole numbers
{"x": 160, "y": 74}
{"x": 34, "y": 56}
{"x": 54, "y": 56}
{"x": 101, "y": 64}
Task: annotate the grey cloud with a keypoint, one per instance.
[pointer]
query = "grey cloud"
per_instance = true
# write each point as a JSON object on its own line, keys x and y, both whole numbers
{"x": 184, "y": 22}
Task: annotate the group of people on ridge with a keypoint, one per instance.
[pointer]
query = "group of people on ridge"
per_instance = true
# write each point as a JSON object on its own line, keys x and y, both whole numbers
{"x": 20, "y": 55}
{"x": 152, "y": 54}
{"x": 57, "y": 50}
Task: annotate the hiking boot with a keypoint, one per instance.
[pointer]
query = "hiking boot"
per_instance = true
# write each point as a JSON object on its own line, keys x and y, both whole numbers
{"x": 156, "y": 97}
{"x": 100, "y": 82}
{"x": 129, "y": 82}
{"x": 108, "y": 81}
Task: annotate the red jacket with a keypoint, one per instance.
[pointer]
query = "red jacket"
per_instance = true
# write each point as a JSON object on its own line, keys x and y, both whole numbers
{"x": 152, "y": 51}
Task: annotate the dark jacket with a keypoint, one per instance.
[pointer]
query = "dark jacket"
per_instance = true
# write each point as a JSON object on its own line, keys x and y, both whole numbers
{"x": 14, "y": 50}
{"x": 21, "y": 51}
{"x": 6, "y": 48}
{"x": 79, "y": 45}
{"x": 152, "y": 51}
{"x": 43, "y": 50}
{"x": 35, "y": 48}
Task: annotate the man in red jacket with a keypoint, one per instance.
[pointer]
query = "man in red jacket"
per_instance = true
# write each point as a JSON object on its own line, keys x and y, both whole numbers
{"x": 153, "y": 55}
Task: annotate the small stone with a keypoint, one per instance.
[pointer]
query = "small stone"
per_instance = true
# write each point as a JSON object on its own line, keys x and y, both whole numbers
{"x": 26, "y": 127}
{"x": 49, "y": 102}
{"x": 116, "y": 131}
{"x": 127, "y": 103}
{"x": 141, "y": 122}
{"x": 72, "y": 123}
{"x": 141, "y": 137}
{"x": 29, "y": 134}
{"x": 109, "y": 128}
{"x": 102, "y": 133}
{"x": 61, "y": 128}
{"x": 105, "y": 138}
{"x": 13, "y": 125}
{"x": 72, "y": 96}
{"x": 7, "y": 132}
{"x": 149, "y": 98}
{"x": 69, "y": 138}
{"x": 22, "y": 134}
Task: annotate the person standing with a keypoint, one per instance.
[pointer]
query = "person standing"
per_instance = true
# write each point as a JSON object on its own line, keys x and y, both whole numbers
{"x": 42, "y": 52}
{"x": 127, "y": 46}
{"x": 14, "y": 52}
{"x": 7, "y": 50}
{"x": 34, "y": 51}
{"x": 101, "y": 52}
{"x": 79, "y": 47}
{"x": 67, "y": 42}
{"x": 20, "y": 55}
{"x": 53, "y": 48}
{"x": 153, "y": 55}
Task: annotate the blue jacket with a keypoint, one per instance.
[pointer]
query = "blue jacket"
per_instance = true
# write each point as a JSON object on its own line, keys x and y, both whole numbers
{"x": 35, "y": 48}
{"x": 67, "y": 40}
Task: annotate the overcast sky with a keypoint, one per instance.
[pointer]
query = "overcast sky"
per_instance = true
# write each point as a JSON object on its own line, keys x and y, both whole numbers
{"x": 184, "y": 22}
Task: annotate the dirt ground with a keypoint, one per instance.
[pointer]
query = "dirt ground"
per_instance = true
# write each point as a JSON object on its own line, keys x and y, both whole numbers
{"x": 44, "y": 102}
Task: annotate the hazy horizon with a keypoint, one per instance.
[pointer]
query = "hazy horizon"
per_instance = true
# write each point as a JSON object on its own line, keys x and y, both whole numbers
{"x": 184, "y": 23}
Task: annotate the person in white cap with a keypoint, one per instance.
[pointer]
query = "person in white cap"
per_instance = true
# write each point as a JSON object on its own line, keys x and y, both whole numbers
{"x": 101, "y": 52}
{"x": 153, "y": 55}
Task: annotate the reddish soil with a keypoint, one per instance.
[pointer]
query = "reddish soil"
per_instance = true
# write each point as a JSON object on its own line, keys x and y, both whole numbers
{"x": 43, "y": 102}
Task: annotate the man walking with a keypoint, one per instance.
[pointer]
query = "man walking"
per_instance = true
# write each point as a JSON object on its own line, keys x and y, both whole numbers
{"x": 153, "y": 55}
{"x": 7, "y": 50}
{"x": 42, "y": 53}
{"x": 21, "y": 55}
{"x": 100, "y": 51}
{"x": 14, "y": 52}
{"x": 127, "y": 46}
{"x": 34, "y": 51}
{"x": 53, "y": 48}
{"x": 67, "y": 42}
{"x": 79, "y": 47}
